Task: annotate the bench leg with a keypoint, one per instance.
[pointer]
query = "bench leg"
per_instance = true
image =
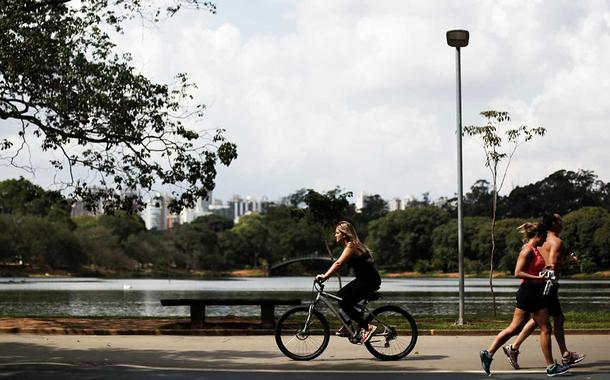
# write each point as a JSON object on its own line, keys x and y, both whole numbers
{"x": 268, "y": 315}
{"x": 197, "y": 316}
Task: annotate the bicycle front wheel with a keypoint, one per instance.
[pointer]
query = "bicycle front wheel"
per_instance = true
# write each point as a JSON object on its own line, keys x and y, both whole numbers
{"x": 396, "y": 333}
{"x": 301, "y": 335}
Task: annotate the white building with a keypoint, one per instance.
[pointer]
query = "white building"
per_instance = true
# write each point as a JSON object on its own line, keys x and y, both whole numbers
{"x": 243, "y": 207}
{"x": 156, "y": 213}
{"x": 360, "y": 201}
{"x": 397, "y": 203}
{"x": 79, "y": 209}
{"x": 201, "y": 208}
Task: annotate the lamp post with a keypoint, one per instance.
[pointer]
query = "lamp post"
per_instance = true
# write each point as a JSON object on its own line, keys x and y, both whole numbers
{"x": 459, "y": 39}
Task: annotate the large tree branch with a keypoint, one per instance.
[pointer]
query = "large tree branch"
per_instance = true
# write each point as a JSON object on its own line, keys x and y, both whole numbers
{"x": 37, "y": 5}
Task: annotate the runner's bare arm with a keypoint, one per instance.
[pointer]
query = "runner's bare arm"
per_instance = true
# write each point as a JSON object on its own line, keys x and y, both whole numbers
{"x": 524, "y": 257}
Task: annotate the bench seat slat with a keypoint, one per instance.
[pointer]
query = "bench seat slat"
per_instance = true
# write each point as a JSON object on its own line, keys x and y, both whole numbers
{"x": 197, "y": 306}
{"x": 230, "y": 302}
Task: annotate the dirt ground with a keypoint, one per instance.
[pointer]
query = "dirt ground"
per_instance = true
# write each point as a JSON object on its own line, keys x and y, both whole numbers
{"x": 103, "y": 326}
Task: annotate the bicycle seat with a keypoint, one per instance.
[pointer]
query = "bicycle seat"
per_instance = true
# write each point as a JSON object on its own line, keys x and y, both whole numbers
{"x": 373, "y": 296}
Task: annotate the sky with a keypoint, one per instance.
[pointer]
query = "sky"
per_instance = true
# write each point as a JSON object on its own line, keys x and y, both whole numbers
{"x": 362, "y": 94}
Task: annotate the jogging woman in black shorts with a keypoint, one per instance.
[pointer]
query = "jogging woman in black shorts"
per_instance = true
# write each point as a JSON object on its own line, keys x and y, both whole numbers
{"x": 357, "y": 256}
{"x": 530, "y": 301}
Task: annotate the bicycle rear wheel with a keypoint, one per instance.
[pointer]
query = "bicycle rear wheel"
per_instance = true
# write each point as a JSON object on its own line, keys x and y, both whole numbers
{"x": 396, "y": 333}
{"x": 301, "y": 335}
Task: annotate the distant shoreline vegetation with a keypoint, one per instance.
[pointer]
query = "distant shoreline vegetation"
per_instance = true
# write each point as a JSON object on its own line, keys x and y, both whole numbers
{"x": 11, "y": 272}
{"x": 38, "y": 235}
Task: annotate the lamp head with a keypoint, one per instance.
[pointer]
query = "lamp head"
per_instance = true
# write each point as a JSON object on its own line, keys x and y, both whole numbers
{"x": 457, "y": 38}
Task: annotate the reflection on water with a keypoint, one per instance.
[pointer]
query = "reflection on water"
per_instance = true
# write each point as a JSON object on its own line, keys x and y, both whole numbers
{"x": 140, "y": 297}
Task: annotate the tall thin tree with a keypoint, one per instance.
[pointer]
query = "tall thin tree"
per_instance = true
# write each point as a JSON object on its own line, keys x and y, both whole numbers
{"x": 490, "y": 136}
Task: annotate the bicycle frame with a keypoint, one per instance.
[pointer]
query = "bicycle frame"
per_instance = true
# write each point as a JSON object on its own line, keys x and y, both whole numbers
{"x": 322, "y": 297}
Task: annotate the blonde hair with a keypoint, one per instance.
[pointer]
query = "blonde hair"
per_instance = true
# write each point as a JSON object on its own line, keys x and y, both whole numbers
{"x": 351, "y": 236}
{"x": 530, "y": 230}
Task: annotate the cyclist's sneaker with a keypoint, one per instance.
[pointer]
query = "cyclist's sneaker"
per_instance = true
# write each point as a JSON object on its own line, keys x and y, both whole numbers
{"x": 342, "y": 332}
{"x": 556, "y": 369}
{"x": 512, "y": 355}
{"x": 572, "y": 358}
{"x": 486, "y": 361}
{"x": 367, "y": 333}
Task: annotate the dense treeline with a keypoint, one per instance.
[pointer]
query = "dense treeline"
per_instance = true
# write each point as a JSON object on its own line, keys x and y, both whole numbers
{"x": 36, "y": 231}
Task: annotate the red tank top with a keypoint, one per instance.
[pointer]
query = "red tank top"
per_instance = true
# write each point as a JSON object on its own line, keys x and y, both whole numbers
{"x": 534, "y": 267}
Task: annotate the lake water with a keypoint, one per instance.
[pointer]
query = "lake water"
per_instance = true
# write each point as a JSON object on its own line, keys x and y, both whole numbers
{"x": 140, "y": 297}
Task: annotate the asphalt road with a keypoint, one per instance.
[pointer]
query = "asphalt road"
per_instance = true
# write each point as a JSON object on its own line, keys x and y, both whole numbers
{"x": 257, "y": 357}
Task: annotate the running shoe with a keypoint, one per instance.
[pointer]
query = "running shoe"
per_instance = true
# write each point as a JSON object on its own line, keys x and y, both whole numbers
{"x": 572, "y": 358}
{"x": 367, "y": 334}
{"x": 556, "y": 369}
{"x": 512, "y": 355}
{"x": 486, "y": 361}
{"x": 343, "y": 332}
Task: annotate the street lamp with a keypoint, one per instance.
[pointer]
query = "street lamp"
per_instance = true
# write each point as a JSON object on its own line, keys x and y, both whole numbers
{"x": 459, "y": 39}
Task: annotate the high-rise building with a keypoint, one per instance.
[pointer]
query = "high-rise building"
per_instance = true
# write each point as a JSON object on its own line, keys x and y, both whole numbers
{"x": 395, "y": 204}
{"x": 156, "y": 213}
{"x": 79, "y": 209}
{"x": 360, "y": 201}
{"x": 222, "y": 209}
{"x": 404, "y": 203}
{"x": 201, "y": 208}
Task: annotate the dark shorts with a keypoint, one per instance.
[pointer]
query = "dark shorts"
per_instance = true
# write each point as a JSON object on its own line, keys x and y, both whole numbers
{"x": 552, "y": 301}
{"x": 530, "y": 298}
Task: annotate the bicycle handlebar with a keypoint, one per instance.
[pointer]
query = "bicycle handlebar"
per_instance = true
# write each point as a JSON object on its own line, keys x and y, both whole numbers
{"x": 319, "y": 283}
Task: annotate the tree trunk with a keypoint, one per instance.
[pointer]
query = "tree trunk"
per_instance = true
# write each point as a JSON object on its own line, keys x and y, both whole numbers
{"x": 493, "y": 249}
{"x": 330, "y": 254}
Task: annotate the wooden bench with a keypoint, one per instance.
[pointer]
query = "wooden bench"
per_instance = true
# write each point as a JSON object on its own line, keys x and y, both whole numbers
{"x": 198, "y": 306}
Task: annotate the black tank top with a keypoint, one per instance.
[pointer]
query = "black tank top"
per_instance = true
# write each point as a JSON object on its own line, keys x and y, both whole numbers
{"x": 363, "y": 268}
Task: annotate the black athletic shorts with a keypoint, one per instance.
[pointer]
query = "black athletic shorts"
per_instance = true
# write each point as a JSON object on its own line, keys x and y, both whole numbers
{"x": 552, "y": 302}
{"x": 530, "y": 298}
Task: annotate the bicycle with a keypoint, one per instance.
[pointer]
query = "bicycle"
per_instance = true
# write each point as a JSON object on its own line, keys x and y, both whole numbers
{"x": 303, "y": 333}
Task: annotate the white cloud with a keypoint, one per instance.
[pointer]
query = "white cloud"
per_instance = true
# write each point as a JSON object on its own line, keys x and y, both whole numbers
{"x": 361, "y": 93}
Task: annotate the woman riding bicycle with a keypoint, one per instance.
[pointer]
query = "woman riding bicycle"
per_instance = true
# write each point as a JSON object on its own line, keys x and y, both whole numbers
{"x": 358, "y": 257}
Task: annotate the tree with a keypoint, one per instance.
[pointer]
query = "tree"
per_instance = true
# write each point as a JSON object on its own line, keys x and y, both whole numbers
{"x": 402, "y": 238}
{"x": 444, "y": 244}
{"x": 198, "y": 243}
{"x": 296, "y": 199}
{"x": 63, "y": 87}
{"x": 561, "y": 192}
{"x": 47, "y": 245}
{"x": 10, "y": 251}
{"x": 291, "y": 233}
{"x": 122, "y": 224}
{"x": 20, "y": 196}
{"x": 103, "y": 249}
{"x": 254, "y": 234}
{"x": 324, "y": 211}
{"x": 478, "y": 201}
{"x": 495, "y": 153}
{"x": 583, "y": 234}
{"x": 601, "y": 242}
{"x": 374, "y": 208}
{"x": 150, "y": 248}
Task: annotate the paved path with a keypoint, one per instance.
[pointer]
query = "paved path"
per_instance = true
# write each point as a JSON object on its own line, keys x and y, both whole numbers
{"x": 259, "y": 354}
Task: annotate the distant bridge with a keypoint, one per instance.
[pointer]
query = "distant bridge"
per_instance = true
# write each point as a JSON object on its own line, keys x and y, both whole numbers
{"x": 291, "y": 261}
